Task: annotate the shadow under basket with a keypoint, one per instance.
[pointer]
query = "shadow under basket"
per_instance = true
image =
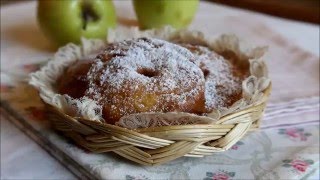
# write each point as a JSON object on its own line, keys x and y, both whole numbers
{"x": 157, "y": 145}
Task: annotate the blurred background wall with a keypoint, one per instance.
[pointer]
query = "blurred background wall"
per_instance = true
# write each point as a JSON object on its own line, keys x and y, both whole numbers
{"x": 302, "y": 10}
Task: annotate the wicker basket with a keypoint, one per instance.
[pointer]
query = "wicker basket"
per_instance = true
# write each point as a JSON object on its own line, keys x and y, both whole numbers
{"x": 157, "y": 145}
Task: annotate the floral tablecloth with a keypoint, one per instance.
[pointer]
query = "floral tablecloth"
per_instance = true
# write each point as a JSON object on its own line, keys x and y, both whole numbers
{"x": 287, "y": 146}
{"x": 289, "y": 152}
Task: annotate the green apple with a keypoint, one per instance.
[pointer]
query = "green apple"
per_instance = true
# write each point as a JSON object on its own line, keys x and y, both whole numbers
{"x": 64, "y": 21}
{"x": 158, "y": 13}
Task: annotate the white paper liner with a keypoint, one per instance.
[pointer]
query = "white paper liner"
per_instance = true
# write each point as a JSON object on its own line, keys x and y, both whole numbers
{"x": 252, "y": 87}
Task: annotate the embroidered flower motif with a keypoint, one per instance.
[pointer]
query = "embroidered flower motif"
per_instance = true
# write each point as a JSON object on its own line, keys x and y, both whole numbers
{"x": 298, "y": 165}
{"x": 236, "y": 146}
{"x": 139, "y": 177}
{"x": 296, "y": 134}
{"x": 219, "y": 175}
{"x": 36, "y": 113}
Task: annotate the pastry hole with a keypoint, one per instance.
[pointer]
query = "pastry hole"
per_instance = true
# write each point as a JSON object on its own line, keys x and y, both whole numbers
{"x": 206, "y": 73}
{"x": 148, "y": 72}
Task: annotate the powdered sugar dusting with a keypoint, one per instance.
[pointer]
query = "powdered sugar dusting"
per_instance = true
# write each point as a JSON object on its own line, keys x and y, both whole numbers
{"x": 152, "y": 75}
{"x": 223, "y": 80}
{"x": 148, "y": 73}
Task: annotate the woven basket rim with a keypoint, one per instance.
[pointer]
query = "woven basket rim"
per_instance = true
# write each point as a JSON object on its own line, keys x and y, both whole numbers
{"x": 157, "y": 145}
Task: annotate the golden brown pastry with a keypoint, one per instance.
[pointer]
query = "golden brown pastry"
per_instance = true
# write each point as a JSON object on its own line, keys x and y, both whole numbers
{"x": 151, "y": 75}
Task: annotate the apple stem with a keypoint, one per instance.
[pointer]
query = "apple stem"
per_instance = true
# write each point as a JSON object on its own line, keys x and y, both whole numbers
{"x": 88, "y": 14}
